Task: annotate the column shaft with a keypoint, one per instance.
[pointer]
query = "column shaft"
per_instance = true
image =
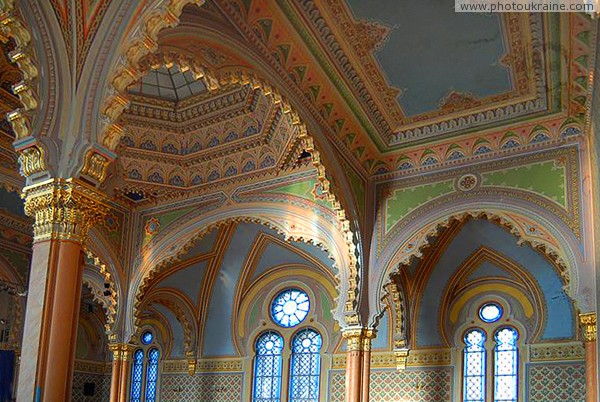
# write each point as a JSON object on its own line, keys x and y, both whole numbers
{"x": 353, "y": 376}
{"x": 46, "y": 369}
{"x": 588, "y": 325}
{"x": 125, "y": 369}
{"x": 64, "y": 210}
{"x": 115, "y": 378}
{"x": 591, "y": 372}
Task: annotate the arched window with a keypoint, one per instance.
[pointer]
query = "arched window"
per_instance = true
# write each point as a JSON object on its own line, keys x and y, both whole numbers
{"x": 506, "y": 365}
{"x": 267, "y": 367}
{"x": 144, "y": 373}
{"x": 306, "y": 362}
{"x": 474, "y": 366}
{"x": 152, "y": 374}
{"x": 136, "y": 375}
{"x": 288, "y": 309}
{"x": 482, "y": 377}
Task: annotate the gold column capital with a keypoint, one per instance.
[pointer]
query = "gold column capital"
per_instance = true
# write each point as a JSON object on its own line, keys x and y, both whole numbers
{"x": 353, "y": 336}
{"x": 63, "y": 209}
{"x": 359, "y": 338}
{"x": 588, "y": 325}
{"x": 121, "y": 351}
{"x": 368, "y": 335}
{"x": 401, "y": 358}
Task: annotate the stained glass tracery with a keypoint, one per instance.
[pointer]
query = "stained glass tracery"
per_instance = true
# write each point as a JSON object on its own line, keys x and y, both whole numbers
{"x": 474, "y": 366}
{"x": 290, "y": 308}
{"x": 267, "y": 368}
{"x": 144, "y": 374}
{"x": 506, "y": 365}
{"x": 136, "y": 375}
{"x": 305, "y": 366}
{"x": 152, "y": 374}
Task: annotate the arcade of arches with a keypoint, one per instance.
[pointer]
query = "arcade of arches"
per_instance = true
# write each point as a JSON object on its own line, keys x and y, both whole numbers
{"x": 297, "y": 200}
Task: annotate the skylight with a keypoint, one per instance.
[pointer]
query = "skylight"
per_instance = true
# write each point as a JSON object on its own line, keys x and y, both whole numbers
{"x": 168, "y": 83}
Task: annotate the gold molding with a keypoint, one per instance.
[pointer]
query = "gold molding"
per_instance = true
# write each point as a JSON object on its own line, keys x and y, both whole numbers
{"x": 588, "y": 325}
{"x": 95, "y": 166}
{"x": 12, "y": 26}
{"x": 359, "y": 339}
{"x": 353, "y": 338}
{"x": 32, "y": 160}
{"x": 401, "y": 356}
{"x": 63, "y": 209}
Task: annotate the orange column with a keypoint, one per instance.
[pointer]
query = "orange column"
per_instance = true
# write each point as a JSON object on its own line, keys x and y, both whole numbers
{"x": 63, "y": 212}
{"x": 115, "y": 378}
{"x": 127, "y": 351}
{"x": 353, "y": 337}
{"x": 368, "y": 335}
{"x": 588, "y": 324}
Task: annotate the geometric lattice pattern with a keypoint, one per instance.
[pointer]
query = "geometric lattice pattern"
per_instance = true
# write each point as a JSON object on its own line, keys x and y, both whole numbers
{"x": 267, "y": 368}
{"x": 414, "y": 385}
{"x": 152, "y": 375}
{"x": 201, "y": 387}
{"x": 306, "y": 362}
{"x": 556, "y": 382}
{"x": 506, "y": 362}
{"x": 102, "y": 387}
{"x": 474, "y": 366}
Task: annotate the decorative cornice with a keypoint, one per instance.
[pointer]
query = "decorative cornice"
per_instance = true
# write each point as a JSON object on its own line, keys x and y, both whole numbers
{"x": 93, "y": 367}
{"x": 588, "y": 325}
{"x": 63, "y": 209}
{"x": 416, "y": 358}
{"x": 203, "y": 365}
{"x": 556, "y": 352}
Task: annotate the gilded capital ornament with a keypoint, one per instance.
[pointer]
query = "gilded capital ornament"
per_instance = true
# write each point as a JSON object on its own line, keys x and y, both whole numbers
{"x": 353, "y": 336}
{"x": 63, "y": 209}
{"x": 115, "y": 348}
{"x": 95, "y": 166}
{"x": 368, "y": 335}
{"x": 588, "y": 325}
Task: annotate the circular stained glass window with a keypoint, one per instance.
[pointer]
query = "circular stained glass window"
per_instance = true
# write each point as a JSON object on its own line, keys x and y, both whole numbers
{"x": 290, "y": 308}
{"x": 490, "y": 312}
{"x": 147, "y": 337}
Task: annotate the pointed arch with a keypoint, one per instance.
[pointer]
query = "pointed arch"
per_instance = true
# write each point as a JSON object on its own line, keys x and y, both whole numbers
{"x": 530, "y": 223}
{"x": 292, "y": 222}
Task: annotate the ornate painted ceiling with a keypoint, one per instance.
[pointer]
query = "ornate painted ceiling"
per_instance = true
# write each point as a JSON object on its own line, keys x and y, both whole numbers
{"x": 393, "y": 90}
{"x": 345, "y": 108}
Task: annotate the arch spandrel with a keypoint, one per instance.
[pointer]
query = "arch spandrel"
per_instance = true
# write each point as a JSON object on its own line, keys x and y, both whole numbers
{"x": 292, "y": 222}
{"x": 531, "y": 224}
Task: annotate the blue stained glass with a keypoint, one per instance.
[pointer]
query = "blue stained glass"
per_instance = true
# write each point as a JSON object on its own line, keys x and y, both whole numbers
{"x": 474, "y": 366}
{"x": 136, "y": 375}
{"x": 490, "y": 312}
{"x": 147, "y": 338}
{"x": 305, "y": 367}
{"x": 267, "y": 368}
{"x": 506, "y": 360}
{"x": 290, "y": 308}
{"x": 152, "y": 374}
